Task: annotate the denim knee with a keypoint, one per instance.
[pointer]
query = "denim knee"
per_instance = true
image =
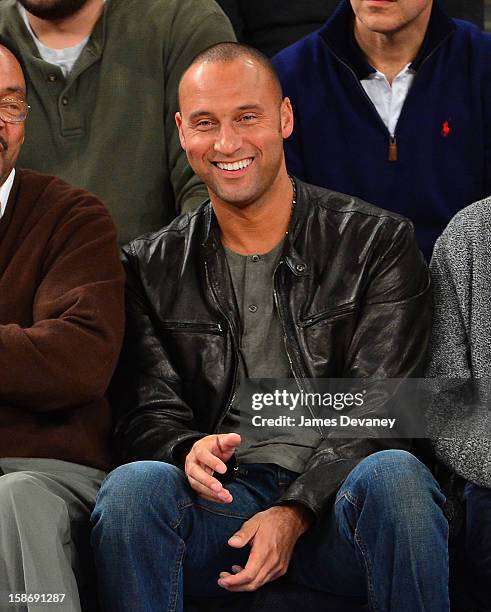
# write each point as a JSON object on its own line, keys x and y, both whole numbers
{"x": 134, "y": 493}
{"x": 395, "y": 482}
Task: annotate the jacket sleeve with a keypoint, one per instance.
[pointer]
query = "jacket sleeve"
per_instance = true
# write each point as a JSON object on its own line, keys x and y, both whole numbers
{"x": 389, "y": 342}
{"x": 67, "y": 356}
{"x": 153, "y": 421}
{"x": 197, "y": 25}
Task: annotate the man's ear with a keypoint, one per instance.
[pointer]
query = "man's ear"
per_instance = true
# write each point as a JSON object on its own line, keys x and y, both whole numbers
{"x": 178, "y": 119}
{"x": 286, "y": 118}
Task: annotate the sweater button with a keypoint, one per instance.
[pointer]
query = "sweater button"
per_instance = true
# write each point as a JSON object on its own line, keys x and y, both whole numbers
{"x": 300, "y": 267}
{"x": 252, "y": 308}
{"x": 52, "y": 78}
{"x": 64, "y": 101}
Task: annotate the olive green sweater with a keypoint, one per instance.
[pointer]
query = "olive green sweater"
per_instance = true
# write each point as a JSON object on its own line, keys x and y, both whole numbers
{"x": 110, "y": 127}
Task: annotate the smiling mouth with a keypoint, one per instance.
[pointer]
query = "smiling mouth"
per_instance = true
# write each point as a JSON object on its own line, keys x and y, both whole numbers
{"x": 234, "y": 166}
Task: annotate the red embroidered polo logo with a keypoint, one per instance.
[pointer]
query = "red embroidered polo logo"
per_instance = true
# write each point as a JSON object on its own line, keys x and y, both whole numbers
{"x": 445, "y": 129}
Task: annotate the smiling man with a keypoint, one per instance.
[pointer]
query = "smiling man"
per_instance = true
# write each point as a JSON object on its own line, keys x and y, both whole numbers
{"x": 243, "y": 275}
{"x": 393, "y": 105}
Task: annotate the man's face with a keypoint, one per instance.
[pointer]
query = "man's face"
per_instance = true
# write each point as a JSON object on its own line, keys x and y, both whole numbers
{"x": 231, "y": 124}
{"x": 12, "y": 86}
{"x": 389, "y": 16}
{"x": 52, "y": 10}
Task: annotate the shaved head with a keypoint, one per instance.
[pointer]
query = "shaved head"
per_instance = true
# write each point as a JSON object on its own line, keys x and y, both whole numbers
{"x": 232, "y": 122}
{"x": 230, "y": 51}
{"x": 10, "y": 46}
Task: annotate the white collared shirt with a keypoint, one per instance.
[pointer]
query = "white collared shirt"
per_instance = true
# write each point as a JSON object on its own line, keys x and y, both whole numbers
{"x": 387, "y": 99}
{"x": 5, "y": 191}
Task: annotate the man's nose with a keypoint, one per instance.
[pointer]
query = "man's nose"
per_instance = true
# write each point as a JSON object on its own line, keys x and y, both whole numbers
{"x": 229, "y": 140}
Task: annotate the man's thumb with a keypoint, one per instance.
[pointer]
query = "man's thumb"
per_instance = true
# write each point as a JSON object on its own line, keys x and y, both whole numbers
{"x": 240, "y": 538}
{"x": 227, "y": 443}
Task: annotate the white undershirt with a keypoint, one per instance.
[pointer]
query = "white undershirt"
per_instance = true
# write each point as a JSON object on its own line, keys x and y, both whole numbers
{"x": 5, "y": 191}
{"x": 63, "y": 58}
{"x": 387, "y": 99}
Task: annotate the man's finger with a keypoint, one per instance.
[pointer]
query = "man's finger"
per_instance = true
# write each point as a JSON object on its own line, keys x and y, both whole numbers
{"x": 209, "y": 460}
{"x": 247, "y": 579}
{"x": 195, "y": 471}
{"x": 227, "y": 443}
{"x": 221, "y": 496}
{"x": 259, "y": 569}
{"x": 244, "y": 535}
{"x": 235, "y": 570}
{"x": 257, "y": 562}
{"x": 240, "y": 581}
{"x": 201, "y": 490}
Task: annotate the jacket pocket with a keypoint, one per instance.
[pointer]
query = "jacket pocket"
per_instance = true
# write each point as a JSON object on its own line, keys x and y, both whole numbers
{"x": 192, "y": 327}
{"x": 328, "y": 314}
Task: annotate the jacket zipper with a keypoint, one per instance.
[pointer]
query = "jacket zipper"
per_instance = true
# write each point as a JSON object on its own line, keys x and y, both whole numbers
{"x": 232, "y": 393}
{"x": 285, "y": 341}
{"x": 327, "y": 314}
{"x": 392, "y": 149}
{"x": 392, "y": 152}
{"x": 191, "y": 326}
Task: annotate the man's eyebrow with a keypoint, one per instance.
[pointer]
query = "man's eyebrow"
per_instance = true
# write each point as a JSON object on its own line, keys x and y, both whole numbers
{"x": 13, "y": 89}
{"x": 250, "y": 107}
{"x": 199, "y": 113}
{"x": 243, "y": 107}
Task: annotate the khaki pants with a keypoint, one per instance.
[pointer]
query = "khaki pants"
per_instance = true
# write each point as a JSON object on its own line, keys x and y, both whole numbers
{"x": 45, "y": 506}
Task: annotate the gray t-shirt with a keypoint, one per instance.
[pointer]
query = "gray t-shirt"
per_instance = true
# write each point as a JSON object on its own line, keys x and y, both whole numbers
{"x": 263, "y": 355}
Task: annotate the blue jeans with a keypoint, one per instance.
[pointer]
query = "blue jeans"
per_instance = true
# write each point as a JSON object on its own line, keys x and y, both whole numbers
{"x": 478, "y": 541}
{"x": 385, "y": 538}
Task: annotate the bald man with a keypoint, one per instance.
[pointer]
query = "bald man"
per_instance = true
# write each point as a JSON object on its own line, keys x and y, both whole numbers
{"x": 61, "y": 324}
{"x": 211, "y": 503}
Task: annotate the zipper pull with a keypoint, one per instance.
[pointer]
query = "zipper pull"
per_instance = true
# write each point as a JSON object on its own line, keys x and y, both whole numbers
{"x": 392, "y": 149}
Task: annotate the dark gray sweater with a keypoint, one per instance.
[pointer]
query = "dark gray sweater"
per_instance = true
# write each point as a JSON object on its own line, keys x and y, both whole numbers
{"x": 460, "y": 345}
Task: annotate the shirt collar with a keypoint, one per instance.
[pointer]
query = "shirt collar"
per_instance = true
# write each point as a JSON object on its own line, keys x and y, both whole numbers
{"x": 5, "y": 191}
{"x": 338, "y": 34}
{"x": 94, "y": 45}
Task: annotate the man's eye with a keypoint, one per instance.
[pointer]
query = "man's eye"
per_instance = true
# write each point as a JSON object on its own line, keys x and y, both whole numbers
{"x": 248, "y": 118}
{"x": 204, "y": 124}
{"x": 11, "y": 105}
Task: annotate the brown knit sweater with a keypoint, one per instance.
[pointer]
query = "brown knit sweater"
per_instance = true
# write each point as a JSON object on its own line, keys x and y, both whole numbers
{"x": 61, "y": 322}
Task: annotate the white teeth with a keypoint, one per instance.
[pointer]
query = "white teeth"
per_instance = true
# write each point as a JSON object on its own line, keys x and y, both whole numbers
{"x": 238, "y": 165}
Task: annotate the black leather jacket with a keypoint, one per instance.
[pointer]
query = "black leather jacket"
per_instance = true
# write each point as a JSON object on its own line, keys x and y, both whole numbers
{"x": 353, "y": 295}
